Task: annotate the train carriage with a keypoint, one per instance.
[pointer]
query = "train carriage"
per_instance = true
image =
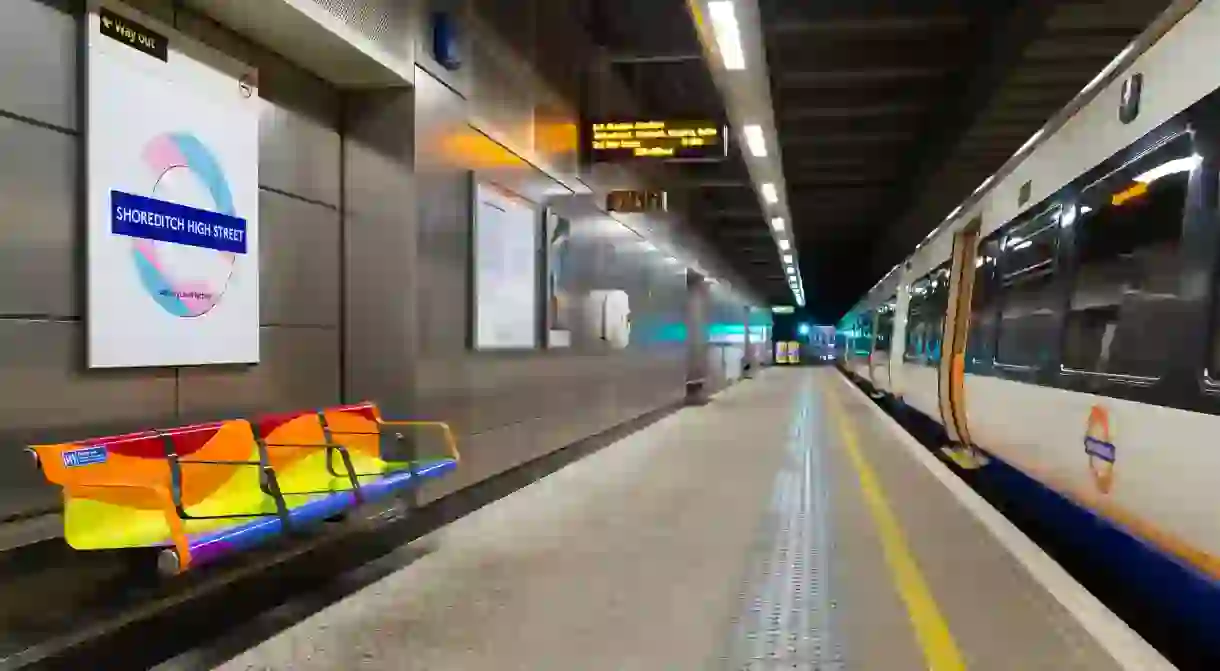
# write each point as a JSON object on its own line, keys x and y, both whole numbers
{"x": 1063, "y": 326}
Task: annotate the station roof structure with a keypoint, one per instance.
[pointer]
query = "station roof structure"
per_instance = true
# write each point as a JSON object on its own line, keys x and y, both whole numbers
{"x": 888, "y": 115}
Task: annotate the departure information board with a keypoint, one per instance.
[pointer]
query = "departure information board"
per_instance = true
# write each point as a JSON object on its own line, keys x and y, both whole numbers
{"x": 616, "y": 141}
{"x": 636, "y": 201}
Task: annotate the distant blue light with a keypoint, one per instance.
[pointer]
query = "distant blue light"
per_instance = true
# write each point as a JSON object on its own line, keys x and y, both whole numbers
{"x": 803, "y": 329}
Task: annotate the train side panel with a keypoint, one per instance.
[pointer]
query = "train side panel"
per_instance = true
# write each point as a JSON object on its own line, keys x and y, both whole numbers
{"x": 921, "y": 389}
{"x": 1160, "y": 484}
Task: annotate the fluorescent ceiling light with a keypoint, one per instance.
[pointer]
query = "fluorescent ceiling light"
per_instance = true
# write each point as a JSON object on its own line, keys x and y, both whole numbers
{"x": 784, "y": 244}
{"x": 769, "y": 193}
{"x": 792, "y": 271}
{"x": 777, "y": 224}
{"x": 1170, "y": 168}
{"x": 728, "y": 34}
{"x": 787, "y": 258}
{"x": 755, "y": 140}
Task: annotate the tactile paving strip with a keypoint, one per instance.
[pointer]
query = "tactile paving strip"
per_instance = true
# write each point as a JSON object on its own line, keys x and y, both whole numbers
{"x": 786, "y": 620}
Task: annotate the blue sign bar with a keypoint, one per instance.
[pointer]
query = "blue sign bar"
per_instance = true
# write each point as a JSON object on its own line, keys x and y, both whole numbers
{"x": 1099, "y": 448}
{"x": 151, "y": 219}
{"x": 86, "y": 456}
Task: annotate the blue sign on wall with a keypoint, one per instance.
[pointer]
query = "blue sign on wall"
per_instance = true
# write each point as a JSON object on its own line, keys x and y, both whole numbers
{"x": 445, "y": 43}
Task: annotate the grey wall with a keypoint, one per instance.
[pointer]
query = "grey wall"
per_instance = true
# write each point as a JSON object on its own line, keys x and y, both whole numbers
{"x": 365, "y": 214}
{"x": 380, "y": 249}
{"x": 46, "y": 393}
{"x": 510, "y": 407}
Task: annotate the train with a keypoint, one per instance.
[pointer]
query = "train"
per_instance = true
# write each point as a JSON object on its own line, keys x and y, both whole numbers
{"x": 1061, "y": 330}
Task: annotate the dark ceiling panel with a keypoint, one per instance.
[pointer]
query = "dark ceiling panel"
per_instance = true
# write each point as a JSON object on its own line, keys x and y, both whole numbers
{"x": 905, "y": 111}
{"x": 889, "y": 114}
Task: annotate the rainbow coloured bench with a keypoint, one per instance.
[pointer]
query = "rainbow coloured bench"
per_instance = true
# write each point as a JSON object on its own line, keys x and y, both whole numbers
{"x": 204, "y": 491}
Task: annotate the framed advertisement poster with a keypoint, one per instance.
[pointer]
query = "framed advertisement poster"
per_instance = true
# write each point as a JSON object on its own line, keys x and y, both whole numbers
{"x": 172, "y": 198}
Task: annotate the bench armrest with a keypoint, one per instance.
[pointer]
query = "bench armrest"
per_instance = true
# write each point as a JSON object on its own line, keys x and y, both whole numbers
{"x": 450, "y": 441}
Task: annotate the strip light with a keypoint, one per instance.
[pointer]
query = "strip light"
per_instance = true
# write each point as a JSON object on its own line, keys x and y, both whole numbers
{"x": 777, "y": 224}
{"x": 728, "y": 34}
{"x": 784, "y": 244}
{"x": 769, "y": 193}
{"x": 1173, "y": 167}
{"x": 755, "y": 140}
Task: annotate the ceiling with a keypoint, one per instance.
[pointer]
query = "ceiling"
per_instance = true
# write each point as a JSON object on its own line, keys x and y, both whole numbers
{"x": 889, "y": 114}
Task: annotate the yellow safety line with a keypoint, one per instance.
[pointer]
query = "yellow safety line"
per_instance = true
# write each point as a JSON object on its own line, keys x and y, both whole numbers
{"x": 939, "y": 649}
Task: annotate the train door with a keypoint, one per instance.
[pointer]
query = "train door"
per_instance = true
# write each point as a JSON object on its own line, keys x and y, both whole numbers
{"x": 898, "y": 342}
{"x": 953, "y": 354}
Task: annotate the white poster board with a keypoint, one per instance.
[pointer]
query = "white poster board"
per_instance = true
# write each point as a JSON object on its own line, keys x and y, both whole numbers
{"x": 172, "y": 147}
{"x": 559, "y": 270}
{"x": 506, "y": 283}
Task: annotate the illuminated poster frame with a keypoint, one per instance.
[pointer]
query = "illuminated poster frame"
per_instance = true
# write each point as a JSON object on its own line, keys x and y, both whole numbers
{"x": 505, "y": 268}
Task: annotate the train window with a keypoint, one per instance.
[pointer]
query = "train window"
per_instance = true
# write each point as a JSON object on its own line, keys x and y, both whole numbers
{"x": 980, "y": 344}
{"x": 864, "y": 337}
{"x": 1128, "y": 229}
{"x": 1027, "y": 269}
{"x": 937, "y": 309}
{"x": 926, "y": 316}
{"x": 917, "y": 310}
{"x": 885, "y": 325}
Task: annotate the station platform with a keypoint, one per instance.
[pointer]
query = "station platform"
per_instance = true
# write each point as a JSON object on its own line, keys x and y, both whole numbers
{"x": 789, "y": 524}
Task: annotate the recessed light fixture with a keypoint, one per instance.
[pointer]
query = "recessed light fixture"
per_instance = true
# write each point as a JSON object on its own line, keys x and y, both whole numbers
{"x": 728, "y": 34}
{"x": 769, "y": 193}
{"x": 755, "y": 140}
{"x": 777, "y": 223}
{"x": 792, "y": 271}
{"x": 784, "y": 244}
{"x": 787, "y": 258}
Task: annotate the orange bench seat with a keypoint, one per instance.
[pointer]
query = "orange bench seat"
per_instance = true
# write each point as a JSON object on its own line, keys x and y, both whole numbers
{"x": 208, "y": 490}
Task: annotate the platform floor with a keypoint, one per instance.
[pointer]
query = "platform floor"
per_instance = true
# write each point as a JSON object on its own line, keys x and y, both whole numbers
{"x": 784, "y": 526}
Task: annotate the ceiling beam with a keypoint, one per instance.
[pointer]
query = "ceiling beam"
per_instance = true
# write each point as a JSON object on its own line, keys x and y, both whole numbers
{"x": 741, "y": 233}
{"x": 832, "y": 55}
{"x": 799, "y": 25}
{"x": 710, "y": 183}
{"x": 865, "y": 137}
{"x": 714, "y": 213}
{"x": 653, "y": 58}
{"x": 802, "y": 113}
{"x": 998, "y": 42}
{"x": 831, "y": 180}
{"x": 807, "y": 79}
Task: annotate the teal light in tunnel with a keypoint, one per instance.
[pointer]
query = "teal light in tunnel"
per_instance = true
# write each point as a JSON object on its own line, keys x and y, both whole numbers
{"x": 803, "y": 329}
